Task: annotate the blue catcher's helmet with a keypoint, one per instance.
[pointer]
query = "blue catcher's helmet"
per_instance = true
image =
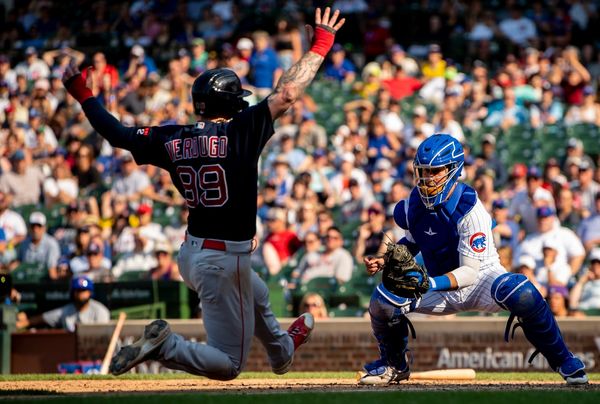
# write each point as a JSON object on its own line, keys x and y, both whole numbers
{"x": 434, "y": 155}
{"x": 82, "y": 283}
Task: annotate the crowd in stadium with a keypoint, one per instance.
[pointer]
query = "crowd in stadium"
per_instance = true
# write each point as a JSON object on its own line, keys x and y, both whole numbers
{"x": 516, "y": 82}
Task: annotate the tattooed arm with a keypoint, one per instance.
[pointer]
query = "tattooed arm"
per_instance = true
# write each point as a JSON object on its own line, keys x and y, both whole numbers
{"x": 293, "y": 82}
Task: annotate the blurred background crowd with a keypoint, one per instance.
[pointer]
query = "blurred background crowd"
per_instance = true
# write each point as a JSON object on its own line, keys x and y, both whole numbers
{"x": 515, "y": 81}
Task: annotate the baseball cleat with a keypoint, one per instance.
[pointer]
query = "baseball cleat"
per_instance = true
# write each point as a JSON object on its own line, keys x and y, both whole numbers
{"x": 378, "y": 373}
{"x": 572, "y": 370}
{"x": 155, "y": 334}
{"x": 301, "y": 328}
{"x": 300, "y": 331}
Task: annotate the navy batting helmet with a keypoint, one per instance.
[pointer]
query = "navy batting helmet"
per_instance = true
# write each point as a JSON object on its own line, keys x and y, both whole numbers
{"x": 217, "y": 93}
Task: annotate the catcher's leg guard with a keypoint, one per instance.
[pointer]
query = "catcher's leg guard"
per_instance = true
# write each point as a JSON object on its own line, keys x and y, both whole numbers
{"x": 516, "y": 294}
{"x": 391, "y": 328}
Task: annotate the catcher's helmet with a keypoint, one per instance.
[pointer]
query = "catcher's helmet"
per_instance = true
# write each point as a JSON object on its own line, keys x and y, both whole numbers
{"x": 217, "y": 93}
{"x": 438, "y": 152}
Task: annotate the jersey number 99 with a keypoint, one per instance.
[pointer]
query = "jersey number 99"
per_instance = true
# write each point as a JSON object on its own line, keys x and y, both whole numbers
{"x": 206, "y": 186}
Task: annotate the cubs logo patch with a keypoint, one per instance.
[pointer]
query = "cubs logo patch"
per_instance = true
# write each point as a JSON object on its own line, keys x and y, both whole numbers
{"x": 143, "y": 131}
{"x": 478, "y": 242}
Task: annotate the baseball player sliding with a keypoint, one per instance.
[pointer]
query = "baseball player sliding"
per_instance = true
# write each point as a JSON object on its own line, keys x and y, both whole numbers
{"x": 448, "y": 224}
{"x": 213, "y": 164}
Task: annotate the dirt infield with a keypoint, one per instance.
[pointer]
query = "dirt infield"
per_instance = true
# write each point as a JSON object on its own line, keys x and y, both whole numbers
{"x": 265, "y": 386}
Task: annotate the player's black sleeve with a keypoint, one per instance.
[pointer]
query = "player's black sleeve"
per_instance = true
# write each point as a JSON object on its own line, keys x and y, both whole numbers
{"x": 254, "y": 127}
{"x": 142, "y": 142}
{"x": 107, "y": 125}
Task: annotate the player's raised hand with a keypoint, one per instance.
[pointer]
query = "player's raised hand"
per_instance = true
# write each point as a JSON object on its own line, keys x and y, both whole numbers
{"x": 327, "y": 23}
{"x": 329, "y": 20}
{"x": 80, "y": 89}
{"x": 374, "y": 264}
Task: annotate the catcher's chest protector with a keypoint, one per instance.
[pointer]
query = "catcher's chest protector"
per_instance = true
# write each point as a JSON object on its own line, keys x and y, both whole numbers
{"x": 436, "y": 230}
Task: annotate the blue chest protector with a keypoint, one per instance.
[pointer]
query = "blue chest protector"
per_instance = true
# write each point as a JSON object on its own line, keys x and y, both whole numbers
{"x": 435, "y": 231}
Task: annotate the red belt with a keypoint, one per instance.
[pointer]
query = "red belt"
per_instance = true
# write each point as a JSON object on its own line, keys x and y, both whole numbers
{"x": 209, "y": 244}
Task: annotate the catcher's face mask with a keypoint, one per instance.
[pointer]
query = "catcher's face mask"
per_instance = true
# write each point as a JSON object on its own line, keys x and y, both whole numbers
{"x": 434, "y": 183}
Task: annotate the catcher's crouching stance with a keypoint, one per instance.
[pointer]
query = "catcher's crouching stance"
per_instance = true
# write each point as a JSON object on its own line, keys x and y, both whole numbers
{"x": 448, "y": 224}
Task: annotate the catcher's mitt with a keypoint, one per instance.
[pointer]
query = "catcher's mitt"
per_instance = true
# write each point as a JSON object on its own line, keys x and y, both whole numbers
{"x": 401, "y": 274}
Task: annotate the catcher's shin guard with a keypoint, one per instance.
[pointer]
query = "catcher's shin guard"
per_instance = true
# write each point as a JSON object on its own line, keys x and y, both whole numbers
{"x": 391, "y": 329}
{"x": 515, "y": 293}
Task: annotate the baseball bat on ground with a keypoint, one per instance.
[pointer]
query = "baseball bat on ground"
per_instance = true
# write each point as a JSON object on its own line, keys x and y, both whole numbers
{"x": 444, "y": 374}
{"x": 439, "y": 374}
{"x": 113, "y": 343}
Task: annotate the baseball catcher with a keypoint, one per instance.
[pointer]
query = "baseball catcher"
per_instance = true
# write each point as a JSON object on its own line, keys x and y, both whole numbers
{"x": 446, "y": 222}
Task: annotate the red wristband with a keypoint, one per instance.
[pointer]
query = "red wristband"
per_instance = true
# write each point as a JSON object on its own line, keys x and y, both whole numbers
{"x": 323, "y": 41}
{"x": 77, "y": 88}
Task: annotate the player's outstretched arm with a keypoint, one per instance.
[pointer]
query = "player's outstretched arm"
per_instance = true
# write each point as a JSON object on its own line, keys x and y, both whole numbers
{"x": 294, "y": 81}
{"x": 100, "y": 119}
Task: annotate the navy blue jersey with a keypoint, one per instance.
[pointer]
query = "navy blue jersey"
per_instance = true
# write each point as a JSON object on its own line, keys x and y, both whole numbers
{"x": 213, "y": 165}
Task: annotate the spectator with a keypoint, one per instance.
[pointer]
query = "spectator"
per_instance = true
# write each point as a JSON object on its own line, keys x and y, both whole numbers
{"x": 33, "y": 67}
{"x": 82, "y": 309}
{"x": 306, "y": 220}
{"x": 131, "y": 182}
{"x": 314, "y": 304}
{"x": 39, "y": 248}
{"x": 527, "y": 266}
{"x": 558, "y": 300}
{"x": 420, "y": 127}
{"x": 339, "y": 67}
{"x": 506, "y": 231}
{"x": 340, "y": 183}
{"x": 11, "y": 222}
{"x": 103, "y": 73}
{"x": 372, "y": 235}
{"x": 138, "y": 260}
{"x": 335, "y": 262}
{"x": 568, "y": 215}
{"x": 588, "y": 112}
{"x": 199, "y": 56}
{"x": 21, "y": 173}
{"x": 510, "y": 113}
{"x": 491, "y": 160}
{"x": 518, "y": 29}
{"x": 585, "y": 294}
{"x": 552, "y": 273}
{"x": 435, "y": 66}
{"x": 280, "y": 243}
{"x": 402, "y": 62}
{"x": 548, "y": 111}
{"x": 589, "y": 229}
{"x": 61, "y": 188}
{"x": 586, "y": 188}
{"x": 150, "y": 232}
{"x": 569, "y": 248}
{"x": 401, "y": 85}
{"x": 166, "y": 269}
{"x": 94, "y": 264}
{"x": 87, "y": 175}
{"x": 311, "y": 135}
{"x": 525, "y": 202}
{"x": 264, "y": 67}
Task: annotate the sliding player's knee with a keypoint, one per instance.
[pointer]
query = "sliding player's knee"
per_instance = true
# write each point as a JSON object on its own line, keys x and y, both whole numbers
{"x": 515, "y": 293}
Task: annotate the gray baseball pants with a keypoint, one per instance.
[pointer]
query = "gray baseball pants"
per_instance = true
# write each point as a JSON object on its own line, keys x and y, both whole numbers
{"x": 235, "y": 307}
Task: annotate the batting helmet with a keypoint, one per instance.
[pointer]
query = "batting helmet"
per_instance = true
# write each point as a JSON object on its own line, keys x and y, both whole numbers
{"x": 438, "y": 164}
{"x": 217, "y": 93}
{"x": 82, "y": 283}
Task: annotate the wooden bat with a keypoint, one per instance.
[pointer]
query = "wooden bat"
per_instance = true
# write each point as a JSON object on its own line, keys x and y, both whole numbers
{"x": 113, "y": 343}
{"x": 444, "y": 374}
{"x": 439, "y": 374}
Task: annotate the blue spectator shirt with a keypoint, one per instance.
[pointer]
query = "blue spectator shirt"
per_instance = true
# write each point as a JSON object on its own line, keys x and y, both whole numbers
{"x": 263, "y": 66}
